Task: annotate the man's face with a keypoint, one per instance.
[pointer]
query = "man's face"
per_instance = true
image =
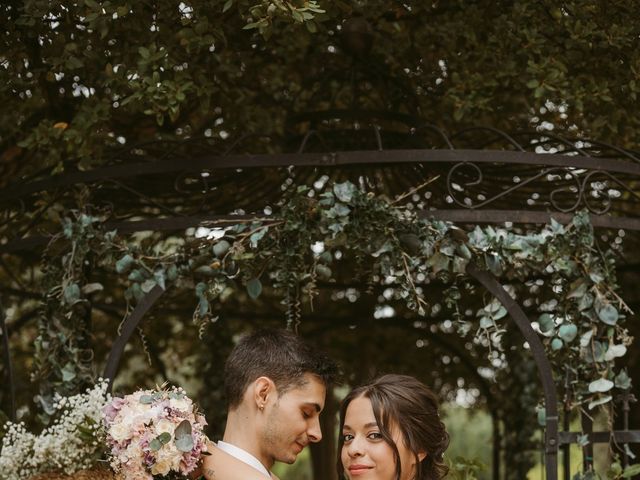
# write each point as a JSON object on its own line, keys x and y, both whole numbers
{"x": 293, "y": 421}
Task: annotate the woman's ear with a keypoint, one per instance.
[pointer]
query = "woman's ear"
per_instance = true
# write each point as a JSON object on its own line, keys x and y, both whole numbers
{"x": 422, "y": 456}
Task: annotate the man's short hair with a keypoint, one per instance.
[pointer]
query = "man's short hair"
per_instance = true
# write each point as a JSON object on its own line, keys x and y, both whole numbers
{"x": 279, "y": 355}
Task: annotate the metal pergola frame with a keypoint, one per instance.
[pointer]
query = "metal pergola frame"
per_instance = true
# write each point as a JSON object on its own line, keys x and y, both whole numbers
{"x": 621, "y": 168}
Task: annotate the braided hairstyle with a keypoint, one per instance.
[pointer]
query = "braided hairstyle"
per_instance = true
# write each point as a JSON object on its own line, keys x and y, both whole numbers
{"x": 403, "y": 402}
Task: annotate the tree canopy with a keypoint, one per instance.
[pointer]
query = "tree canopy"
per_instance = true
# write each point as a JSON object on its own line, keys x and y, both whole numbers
{"x": 76, "y": 77}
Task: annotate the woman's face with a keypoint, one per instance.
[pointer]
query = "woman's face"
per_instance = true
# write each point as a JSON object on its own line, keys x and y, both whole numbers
{"x": 365, "y": 455}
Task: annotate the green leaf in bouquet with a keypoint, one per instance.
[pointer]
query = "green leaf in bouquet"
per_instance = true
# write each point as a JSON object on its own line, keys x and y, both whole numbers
{"x": 146, "y": 399}
{"x": 184, "y": 440}
{"x": 157, "y": 443}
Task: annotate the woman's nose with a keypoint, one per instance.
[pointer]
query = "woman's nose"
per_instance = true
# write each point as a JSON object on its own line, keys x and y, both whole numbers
{"x": 354, "y": 449}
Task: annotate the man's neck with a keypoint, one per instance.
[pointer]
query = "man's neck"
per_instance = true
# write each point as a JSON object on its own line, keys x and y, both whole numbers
{"x": 240, "y": 431}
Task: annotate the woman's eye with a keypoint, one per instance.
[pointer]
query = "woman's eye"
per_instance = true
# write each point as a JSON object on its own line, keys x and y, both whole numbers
{"x": 305, "y": 415}
{"x": 375, "y": 435}
{"x": 346, "y": 437}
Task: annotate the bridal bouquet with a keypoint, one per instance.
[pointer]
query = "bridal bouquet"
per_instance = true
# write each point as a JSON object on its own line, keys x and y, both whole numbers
{"x": 154, "y": 434}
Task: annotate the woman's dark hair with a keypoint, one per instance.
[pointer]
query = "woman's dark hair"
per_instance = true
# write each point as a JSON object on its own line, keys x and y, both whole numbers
{"x": 401, "y": 401}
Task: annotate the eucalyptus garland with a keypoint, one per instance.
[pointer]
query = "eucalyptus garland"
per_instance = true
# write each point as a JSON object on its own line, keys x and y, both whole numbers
{"x": 558, "y": 273}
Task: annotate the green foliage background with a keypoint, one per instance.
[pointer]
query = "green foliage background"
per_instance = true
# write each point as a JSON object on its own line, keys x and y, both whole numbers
{"x": 78, "y": 80}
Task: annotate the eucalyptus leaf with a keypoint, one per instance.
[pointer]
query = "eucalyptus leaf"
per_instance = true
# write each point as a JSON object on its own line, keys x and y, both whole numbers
{"x": 68, "y": 372}
{"x": 486, "y": 322}
{"x": 257, "y": 236}
{"x": 568, "y": 332}
{"x": 90, "y": 288}
{"x": 600, "y": 386}
{"x": 615, "y": 351}
{"x": 577, "y": 289}
{"x": 586, "y": 301}
{"x": 600, "y": 401}
{"x": 159, "y": 276}
{"x": 464, "y": 251}
{"x": 203, "y": 306}
{"x": 542, "y": 416}
{"x": 172, "y": 272}
{"x": 138, "y": 275}
{"x": 148, "y": 285}
{"x": 124, "y": 264}
{"x": 344, "y": 191}
{"x": 556, "y": 344}
{"x": 386, "y": 247}
{"x": 608, "y": 314}
{"x": 546, "y": 323}
{"x": 585, "y": 339}
{"x": 438, "y": 262}
{"x": 183, "y": 436}
{"x": 71, "y": 293}
{"x": 220, "y": 248}
{"x": 493, "y": 264}
{"x": 622, "y": 380}
{"x": 158, "y": 442}
{"x": 323, "y": 271}
{"x": 146, "y": 399}
{"x": 339, "y": 210}
{"x": 254, "y": 288}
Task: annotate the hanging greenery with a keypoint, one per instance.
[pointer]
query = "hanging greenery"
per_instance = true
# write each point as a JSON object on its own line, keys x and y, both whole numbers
{"x": 559, "y": 273}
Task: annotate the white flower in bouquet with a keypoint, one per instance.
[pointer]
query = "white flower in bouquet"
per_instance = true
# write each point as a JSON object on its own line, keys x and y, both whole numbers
{"x": 154, "y": 433}
{"x": 73, "y": 442}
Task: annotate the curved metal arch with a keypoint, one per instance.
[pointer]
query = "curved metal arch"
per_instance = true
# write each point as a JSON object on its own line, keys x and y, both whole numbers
{"x": 363, "y": 157}
{"x": 128, "y": 327}
{"x": 490, "y": 282}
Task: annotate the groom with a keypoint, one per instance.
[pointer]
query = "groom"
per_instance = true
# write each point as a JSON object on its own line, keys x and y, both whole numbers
{"x": 275, "y": 385}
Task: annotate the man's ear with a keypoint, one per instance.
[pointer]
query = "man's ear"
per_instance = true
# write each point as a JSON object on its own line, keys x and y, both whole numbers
{"x": 263, "y": 389}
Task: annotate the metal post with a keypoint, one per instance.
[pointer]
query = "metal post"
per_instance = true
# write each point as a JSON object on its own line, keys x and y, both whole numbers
{"x": 544, "y": 367}
{"x": 627, "y": 399}
{"x": 566, "y": 426}
{"x": 587, "y": 450}
{"x": 129, "y": 326}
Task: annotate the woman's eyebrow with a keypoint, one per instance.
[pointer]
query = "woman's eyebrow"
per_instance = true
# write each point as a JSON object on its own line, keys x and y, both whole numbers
{"x": 366, "y": 425}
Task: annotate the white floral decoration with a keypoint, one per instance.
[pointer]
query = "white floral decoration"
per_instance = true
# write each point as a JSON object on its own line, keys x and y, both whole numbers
{"x": 75, "y": 441}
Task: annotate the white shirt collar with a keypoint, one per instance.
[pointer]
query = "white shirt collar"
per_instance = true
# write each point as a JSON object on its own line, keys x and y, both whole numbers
{"x": 243, "y": 456}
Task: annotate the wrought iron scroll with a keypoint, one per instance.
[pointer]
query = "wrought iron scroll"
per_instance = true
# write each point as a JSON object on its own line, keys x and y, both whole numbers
{"x": 582, "y": 190}
{"x": 6, "y": 357}
{"x": 129, "y": 326}
{"x": 544, "y": 367}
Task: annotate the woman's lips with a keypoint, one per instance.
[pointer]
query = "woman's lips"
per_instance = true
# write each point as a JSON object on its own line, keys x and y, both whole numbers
{"x": 359, "y": 469}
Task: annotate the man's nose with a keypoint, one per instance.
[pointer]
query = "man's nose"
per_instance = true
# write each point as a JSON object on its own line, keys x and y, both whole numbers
{"x": 314, "y": 431}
